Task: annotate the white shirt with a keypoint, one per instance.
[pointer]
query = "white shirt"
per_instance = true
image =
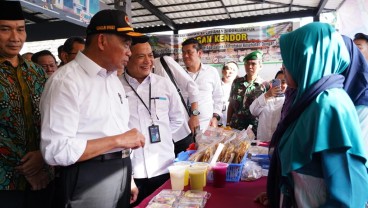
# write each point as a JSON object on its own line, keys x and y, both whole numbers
{"x": 210, "y": 94}
{"x": 154, "y": 158}
{"x": 268, "y": 113}
{"x": 186, "y": 84}
{"x": 81, "y": 101}
{"x": 226, "y": 88}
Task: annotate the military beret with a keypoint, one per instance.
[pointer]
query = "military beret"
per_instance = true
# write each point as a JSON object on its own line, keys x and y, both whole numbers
{"x": 255, "y": 55}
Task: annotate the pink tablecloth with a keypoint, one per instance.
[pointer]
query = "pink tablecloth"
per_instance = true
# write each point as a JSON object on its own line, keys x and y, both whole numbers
{"x": 239, "y": 194}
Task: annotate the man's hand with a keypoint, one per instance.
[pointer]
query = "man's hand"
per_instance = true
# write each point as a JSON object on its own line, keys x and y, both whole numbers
{"x": 131, "y": 139}
{"x": 213, "y": 122}
{"x": 38, "y": 181}
{"x": 262, "y": 199}
{"x": 133, "y": 191}
{"x": 32, "y": 163}
{"x": 193, "y": 123}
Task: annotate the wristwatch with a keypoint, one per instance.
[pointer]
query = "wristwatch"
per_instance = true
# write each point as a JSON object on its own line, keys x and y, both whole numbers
{"x": 195, "y": 112}
{"x": 217, "y": 116}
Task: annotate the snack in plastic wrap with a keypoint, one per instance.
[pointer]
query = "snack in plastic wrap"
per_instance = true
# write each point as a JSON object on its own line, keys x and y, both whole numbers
{"x": 191, "y": 200}
{"x": 158, "y": 205}
{"x": 169, "y": 192}
{"x": 168, "y": 200}
{"x": 196, "y": 194}
{"x": 251, "y": 171}
{"x": 189, "y": 206}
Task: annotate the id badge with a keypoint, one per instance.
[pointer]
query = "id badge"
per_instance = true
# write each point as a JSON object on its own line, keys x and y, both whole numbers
{"x": 154, "y": 133}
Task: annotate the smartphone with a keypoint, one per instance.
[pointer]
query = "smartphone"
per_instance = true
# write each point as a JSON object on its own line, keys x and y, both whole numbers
{"x": 277, "y": 83}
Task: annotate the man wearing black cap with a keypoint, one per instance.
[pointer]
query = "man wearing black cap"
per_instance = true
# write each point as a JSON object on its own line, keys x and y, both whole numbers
{"x": 84, "y": 113}
{"x": 244, "y": 91}
{"x": 23, "y": 173}
{"x": 361, "y": 40}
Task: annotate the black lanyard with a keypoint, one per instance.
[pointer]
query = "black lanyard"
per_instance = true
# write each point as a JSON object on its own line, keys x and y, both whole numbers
{"x": 149, "y": 98}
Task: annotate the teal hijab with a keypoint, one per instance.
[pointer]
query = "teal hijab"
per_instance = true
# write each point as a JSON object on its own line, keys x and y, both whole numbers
{"x": 309, "y": 53}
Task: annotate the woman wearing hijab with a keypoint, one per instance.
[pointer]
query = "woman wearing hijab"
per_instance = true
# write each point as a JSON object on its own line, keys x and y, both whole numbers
{"x": 321, "y": 154}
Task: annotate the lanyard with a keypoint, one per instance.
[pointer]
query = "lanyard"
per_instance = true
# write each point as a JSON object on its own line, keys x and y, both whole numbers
{"x": 149, "y": 98}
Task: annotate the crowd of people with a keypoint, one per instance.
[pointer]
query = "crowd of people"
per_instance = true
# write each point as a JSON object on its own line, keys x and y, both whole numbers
{"x": 101, "y": 128}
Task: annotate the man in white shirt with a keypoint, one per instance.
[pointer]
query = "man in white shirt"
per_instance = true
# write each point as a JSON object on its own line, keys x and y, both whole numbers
{"x": 189, "y": 91}
{"x": 155, "y": 110}
{"x": 84, "y": 113}
{"x": 208, "y": 81}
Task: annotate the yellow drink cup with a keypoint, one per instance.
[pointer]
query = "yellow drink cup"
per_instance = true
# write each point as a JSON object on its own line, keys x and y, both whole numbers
{"x": 205, "y": 166}
{"x": 196, "y": 175}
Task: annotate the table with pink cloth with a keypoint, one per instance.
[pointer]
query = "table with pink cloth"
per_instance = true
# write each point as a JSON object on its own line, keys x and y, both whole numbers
{"x": 240, "y": 194}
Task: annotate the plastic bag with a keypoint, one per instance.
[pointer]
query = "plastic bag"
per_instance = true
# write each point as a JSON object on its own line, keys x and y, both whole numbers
{"x": 251, "y": 171}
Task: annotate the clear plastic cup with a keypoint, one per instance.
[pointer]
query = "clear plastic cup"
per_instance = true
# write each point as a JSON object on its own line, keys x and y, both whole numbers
{"x": 177, "y": 177}
{"x": 197, "y": 175}
{"x": 219, "y": 174}
{"x": 186, "y": 164}
{"x": 205, "y": 165}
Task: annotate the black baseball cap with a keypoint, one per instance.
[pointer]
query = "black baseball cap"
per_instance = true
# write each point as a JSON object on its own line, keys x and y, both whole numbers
{"x": 114, "y": 21}
{"x": 361, "y": 36}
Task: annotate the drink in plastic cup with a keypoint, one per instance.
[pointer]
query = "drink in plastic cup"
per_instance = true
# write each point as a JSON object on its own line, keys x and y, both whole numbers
{"x": 203, "y": 165}
{"x": 186, "y": 164}
{"x": 219, "y": 174}
{"x": 177, "y": 177}
{"x": 196, "y": 175}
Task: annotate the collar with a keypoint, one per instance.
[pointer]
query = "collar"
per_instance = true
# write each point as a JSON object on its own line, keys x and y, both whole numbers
{"x": 132, "y": 80}
{"x": 22, "y": 61}
{"x": 90, "y": 67}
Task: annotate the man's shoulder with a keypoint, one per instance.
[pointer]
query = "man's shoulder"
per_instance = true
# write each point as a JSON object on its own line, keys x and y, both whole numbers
{"x": 207, "y": 66}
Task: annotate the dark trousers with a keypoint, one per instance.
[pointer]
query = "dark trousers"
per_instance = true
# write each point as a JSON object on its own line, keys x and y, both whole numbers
{"x": 95, "y": 184}
{"x": 183, "y": 144}
{"x": 147, "y": 186}
{"x": 28, "y": 198}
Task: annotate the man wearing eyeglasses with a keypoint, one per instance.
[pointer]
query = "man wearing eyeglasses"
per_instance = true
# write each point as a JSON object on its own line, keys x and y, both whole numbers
{"x": 244, "y": 91}
{"x": 71, "y": 47}
{"x": 47, "y": 60}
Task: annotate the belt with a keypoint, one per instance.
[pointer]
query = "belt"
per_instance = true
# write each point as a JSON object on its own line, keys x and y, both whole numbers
{"x": 113, "y": 155}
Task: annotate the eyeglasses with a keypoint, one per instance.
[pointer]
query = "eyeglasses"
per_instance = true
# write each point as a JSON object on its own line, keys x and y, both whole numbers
{"x": 45, "y": 66}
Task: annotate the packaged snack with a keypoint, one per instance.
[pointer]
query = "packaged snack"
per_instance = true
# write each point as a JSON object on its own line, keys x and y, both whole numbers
{"x": 196, "y": 194}
{"x": 169, "y": 192}
{"x": 169, "y": 200}
{"x": 158, "y": 205}
{"x": 189, "y": 206}
{"x": 191, "y": 200}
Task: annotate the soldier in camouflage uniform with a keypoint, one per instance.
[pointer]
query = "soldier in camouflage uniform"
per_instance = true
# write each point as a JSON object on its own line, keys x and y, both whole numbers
{"x": 244, "y": 91}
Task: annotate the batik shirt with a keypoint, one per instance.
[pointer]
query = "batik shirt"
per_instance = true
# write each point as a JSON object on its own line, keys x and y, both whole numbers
{"x": 20, "y": 91}
{"x": 242, "y": 95}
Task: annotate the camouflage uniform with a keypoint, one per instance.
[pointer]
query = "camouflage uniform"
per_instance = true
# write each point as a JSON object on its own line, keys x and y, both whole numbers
{"x": 241, "y": 96}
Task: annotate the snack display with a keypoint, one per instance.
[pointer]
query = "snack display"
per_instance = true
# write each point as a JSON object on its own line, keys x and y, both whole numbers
{"x": 235, "y": 145}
